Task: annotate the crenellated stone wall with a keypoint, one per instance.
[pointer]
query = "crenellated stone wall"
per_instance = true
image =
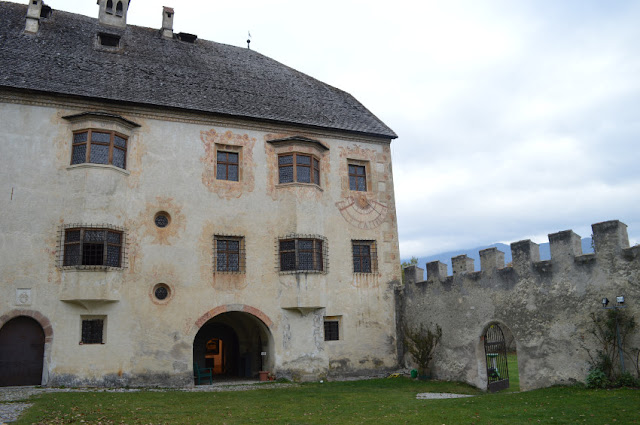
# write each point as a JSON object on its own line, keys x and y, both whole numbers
{"x": 546, "y": 305}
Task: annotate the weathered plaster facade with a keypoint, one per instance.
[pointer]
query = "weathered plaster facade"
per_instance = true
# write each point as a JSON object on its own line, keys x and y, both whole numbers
{"x": 545, "y": 304}
{"x": 171, "y": 169}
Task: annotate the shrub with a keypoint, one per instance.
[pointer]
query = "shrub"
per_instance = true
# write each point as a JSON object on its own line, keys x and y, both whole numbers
{"x": 597, "y": 379}
{"x": 421, "y": 343}
{"x": 626, "y": 380}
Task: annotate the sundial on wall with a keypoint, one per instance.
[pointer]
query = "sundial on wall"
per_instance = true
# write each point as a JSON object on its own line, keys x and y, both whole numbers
{"x": 362, "y": 212}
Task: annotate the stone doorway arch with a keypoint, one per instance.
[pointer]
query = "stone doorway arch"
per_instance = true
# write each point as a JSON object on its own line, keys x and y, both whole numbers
{"x": 496, "y": 354}
{"x": 235, "y": 341}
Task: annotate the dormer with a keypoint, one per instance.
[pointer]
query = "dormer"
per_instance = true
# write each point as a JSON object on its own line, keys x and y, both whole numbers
{"x": 113, "y": 12}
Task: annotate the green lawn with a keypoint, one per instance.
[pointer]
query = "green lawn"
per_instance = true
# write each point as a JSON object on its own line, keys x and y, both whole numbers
{"x": 514, "y": 376}
{"x": 378, "y": 401}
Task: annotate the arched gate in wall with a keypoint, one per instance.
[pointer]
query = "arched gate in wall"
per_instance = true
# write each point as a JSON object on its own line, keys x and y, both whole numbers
{"x": 495, "y": 350}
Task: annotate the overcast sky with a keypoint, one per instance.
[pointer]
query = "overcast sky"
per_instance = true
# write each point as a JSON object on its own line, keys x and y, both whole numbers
{"x": 515, "y": 118}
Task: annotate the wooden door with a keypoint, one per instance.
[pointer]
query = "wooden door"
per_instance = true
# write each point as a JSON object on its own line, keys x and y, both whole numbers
{"x": 21, "y": 352}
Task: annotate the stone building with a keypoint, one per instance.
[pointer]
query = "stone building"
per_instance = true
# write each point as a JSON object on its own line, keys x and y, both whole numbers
{"x": 170, "y": 201}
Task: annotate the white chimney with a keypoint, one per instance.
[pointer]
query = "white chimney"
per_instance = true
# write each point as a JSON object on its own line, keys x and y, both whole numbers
{"x": 113, "y": 12}
{"x": 167, "y": 22}
{"x": 33, "y": 16}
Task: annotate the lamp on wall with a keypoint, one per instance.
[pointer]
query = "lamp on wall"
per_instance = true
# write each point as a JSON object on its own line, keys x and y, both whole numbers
{"x": 605, "y": 302}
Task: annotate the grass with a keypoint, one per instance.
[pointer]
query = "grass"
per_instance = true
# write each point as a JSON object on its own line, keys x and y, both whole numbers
{"x": 372, "y": 401}
{"x": 514, "y": 376}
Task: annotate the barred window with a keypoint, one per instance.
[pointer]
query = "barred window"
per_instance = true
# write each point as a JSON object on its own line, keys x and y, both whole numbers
{"x": 92, "y": 247}
{"x": 297, "y": 167}
{"x": 99, "y": 147}
{"x": 357, "y": 177}
{"x": 229, "y": 253}
{"x": 301, "y": 254}
{"x": 92, "y": 331}
{"x": 227, "y": 166}
{"x": 331, "y": 330}
{"x": 364, "y": 256}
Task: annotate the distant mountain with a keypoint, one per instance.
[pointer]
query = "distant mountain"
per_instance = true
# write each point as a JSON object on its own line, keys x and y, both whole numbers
{"x": 445, "y": 257}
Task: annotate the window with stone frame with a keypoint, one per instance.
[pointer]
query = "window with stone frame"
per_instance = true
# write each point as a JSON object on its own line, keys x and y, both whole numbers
{"x": 92, "y": 331}
{"x": 227, "y": 165}
{"x": 99, "y": 147}
{"x": 357, "y": 177}
{"x": 229, "y": 254}
{"x": 364, "y": 256}
{"x": 332, "y": 328}
{"x": 92, "y": 246}
{"x": 302, "y": 254}
{"x": 299, "y": 168}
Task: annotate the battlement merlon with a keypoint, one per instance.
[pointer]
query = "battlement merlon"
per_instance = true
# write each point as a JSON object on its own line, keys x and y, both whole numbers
{"x": 524, "y": 253}
{"x": 565, "y": 244}
{"x": 436, "y": 271}
{"x": 413, "y": 274}
{"x": 462, "y": 264}
{"x": 610, "y": 237}
{"x": 491, "y": 259}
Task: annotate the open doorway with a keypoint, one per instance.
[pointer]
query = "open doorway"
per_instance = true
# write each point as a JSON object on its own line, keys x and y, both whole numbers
{"x": 234, "y": 345}
{"x": 501, "y": 359}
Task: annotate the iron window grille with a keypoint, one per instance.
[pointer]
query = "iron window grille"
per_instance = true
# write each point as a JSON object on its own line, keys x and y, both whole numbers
{"x": 99, "y": 147}
{"x": 227, "y": 166}
{"x": 302, "y": 253}
{"x": 365, "y": 256}
{"x": 97, "y": 247}
{"x": 300, "y": 168}
{"x": 92, "y": 331}
{"x": 228, "y": 254}
{"x": 331, "y": 330}
{"x": 357, "y": 177}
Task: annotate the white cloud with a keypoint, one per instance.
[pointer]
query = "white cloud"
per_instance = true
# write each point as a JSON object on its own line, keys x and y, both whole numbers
{"x": 515, "y": 118}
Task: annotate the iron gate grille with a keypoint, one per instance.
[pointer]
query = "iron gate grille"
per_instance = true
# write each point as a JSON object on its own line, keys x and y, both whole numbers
{"x": 495, "y": 351}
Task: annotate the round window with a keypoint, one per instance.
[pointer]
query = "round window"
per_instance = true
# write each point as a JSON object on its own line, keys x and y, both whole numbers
{"x": 161, "y": 292}
{"x": 162, "y": 219}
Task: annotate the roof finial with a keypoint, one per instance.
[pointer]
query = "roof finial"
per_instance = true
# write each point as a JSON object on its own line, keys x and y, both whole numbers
{"x": 249, "y": 41}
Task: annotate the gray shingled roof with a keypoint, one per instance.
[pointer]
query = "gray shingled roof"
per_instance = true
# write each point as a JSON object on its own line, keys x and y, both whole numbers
{"x": 205, "y": 76}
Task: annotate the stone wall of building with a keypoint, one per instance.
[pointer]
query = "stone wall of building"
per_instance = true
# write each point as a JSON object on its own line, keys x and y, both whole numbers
{"x": 546, "y": 305}
{"x": 170, "y": 169}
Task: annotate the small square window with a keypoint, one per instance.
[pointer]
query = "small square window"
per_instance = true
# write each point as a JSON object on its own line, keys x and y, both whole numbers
{"x": 364, "y": 256}
{"x": 332, "y": 328}
{"x": 227, "y": 166}
{"x": 357, "y": 177}
{"x": 92, "y": 331}
{"x": 229, "y": 254}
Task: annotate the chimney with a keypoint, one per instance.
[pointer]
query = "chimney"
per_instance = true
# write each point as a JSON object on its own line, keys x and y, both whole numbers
{"x": 167, "y": 22}
{"x": 113, "y": 12}
{"x": 33, "y": 16}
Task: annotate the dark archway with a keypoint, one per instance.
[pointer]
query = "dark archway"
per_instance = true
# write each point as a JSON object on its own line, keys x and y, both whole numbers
{"x": 22, "y": 341}
{"x": 232, "y": 344}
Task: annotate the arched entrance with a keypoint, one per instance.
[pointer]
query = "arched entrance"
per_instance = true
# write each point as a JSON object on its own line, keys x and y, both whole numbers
{"x": 232, "y": 344}
{"x": 22, "y": 341}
